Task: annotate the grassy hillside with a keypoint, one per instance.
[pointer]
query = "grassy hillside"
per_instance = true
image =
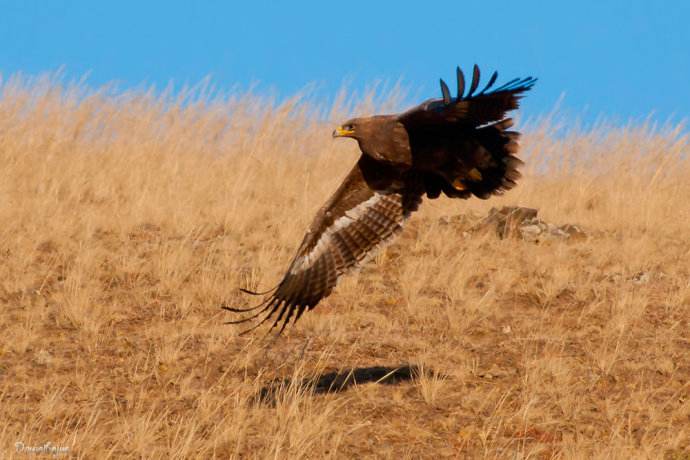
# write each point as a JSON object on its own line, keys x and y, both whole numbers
{"x": 128, "y": 218}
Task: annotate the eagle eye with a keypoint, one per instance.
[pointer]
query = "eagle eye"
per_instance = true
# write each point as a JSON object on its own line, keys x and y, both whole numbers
{"x": 349, "y": 127}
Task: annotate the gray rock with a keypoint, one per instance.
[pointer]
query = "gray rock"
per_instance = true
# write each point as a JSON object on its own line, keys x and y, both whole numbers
{"x": 531, "y": 232}
{"x": 516, "y": 222}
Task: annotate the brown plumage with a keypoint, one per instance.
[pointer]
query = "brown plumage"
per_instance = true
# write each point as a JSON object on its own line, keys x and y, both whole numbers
{"x": 456, "y": 146}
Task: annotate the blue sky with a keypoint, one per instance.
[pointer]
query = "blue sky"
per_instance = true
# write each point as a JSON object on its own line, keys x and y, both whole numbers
{"x": 618, "y": 59}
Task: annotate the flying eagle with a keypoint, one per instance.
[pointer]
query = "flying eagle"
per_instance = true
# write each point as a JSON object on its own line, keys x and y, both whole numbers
{"x": 458, "y": 146}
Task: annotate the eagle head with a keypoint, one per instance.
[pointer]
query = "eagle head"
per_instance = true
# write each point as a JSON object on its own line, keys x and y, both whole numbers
{"x": 382, "y": 137}
{"x": 347, "y": 129}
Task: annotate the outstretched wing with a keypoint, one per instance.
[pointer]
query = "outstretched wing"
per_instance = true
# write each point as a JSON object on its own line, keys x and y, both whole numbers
{"x": 470, "y": 109}
{"x": 368, "y": 209}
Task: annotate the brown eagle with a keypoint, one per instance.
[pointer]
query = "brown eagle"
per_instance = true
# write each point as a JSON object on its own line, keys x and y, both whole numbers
{"x": 456, "y": 146}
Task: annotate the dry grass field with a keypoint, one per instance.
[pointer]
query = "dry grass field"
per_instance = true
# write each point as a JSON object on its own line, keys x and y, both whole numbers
{"x": 128, "y": 219}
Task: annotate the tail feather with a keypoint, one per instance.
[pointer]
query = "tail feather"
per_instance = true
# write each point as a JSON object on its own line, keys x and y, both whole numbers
{"x": 490, "y": 169}
{"x": 497, "y": 163}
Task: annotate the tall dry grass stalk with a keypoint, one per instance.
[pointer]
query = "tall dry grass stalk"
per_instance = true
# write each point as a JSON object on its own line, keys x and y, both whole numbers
{"x": 129, "y": 217}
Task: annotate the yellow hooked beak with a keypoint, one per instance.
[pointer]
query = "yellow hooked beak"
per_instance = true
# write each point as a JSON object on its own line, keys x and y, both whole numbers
{"x": 342, "y": 132}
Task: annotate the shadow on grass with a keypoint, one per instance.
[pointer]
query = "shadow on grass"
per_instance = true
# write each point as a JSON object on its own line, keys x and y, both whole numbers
{"x": 338, "y": 381}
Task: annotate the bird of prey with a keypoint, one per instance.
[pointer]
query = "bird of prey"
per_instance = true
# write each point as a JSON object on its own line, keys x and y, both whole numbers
{"x": 459, "y": 146}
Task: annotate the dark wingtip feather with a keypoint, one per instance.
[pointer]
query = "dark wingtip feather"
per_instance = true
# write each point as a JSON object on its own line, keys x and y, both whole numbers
{"x": 247, "y": 291}
{"x": 237, "y": 310}
{"x": 531, "y": 82}
{"x": 273, "y": 306}
{"x": 461, "y": 82}
{"x": 518, "y": 84}
{"x": 285, "y": 308}
{"x": 492, "y": 80}
{"x": 244, "y": 320}
{"x": 291, "y": 312}
{"x": 475, "y": 80}
{"x": 445, "y": 91}
{"x": 301, "y": 309}
{"x": 506, "y": 85}
{"x": 253, "y": 328}
{"x": 224, "y": 306}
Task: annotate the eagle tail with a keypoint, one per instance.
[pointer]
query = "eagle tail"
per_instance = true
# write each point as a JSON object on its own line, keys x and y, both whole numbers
{"x": 496, "y": 166}
{"x": 490, "y": 169}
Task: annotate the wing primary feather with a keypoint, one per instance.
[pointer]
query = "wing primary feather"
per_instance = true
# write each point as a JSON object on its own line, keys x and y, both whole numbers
{"x": 504, "y": 86}
{"x": 461, "y": 82}
{"x": 289, "y": 304}
{"x": 523, "y": 84}
{"x": 275, "y": 305}
{"x": 516, "y": 84}
{"x": 445, "y": 91}
{"x": 247, "y": 291}
{"x": 492, "y": 80}
{"x": 475, "y": 80}
{"x": 286, "y": 306}
{"x": 301, "y": 309}
{"x": 253, "y": 328}
{"x": 529, "y": 82}
{"x": 270, "y": 304}
{"x": 291, "y": 311}
{"x": 245, "y": 310}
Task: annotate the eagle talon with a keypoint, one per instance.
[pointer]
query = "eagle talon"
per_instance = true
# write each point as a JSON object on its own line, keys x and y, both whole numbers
{"x": 458, "y": 185}
{"x": 475, "y": 175}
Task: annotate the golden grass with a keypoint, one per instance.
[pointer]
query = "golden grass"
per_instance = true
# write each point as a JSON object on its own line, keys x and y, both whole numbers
{"x": 128, "y": 218}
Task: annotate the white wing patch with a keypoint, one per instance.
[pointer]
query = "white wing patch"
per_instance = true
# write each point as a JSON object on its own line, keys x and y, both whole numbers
{"x": 353, "y": 215}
